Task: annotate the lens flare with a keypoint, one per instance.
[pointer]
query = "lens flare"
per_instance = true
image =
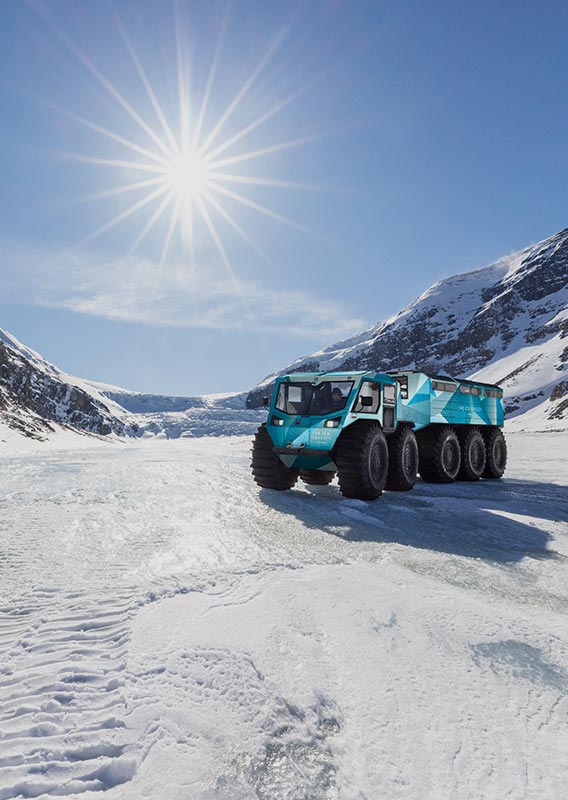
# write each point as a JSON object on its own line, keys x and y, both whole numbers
{"x": 181, "y": 165}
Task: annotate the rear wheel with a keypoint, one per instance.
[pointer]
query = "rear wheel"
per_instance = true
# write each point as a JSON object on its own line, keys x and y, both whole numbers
{"x": 439, "y": 454}
{"x": 403, "y": 460}
{"x": 267, "y": 469}
{"x": 472, "y": 449}
{"x": 362, "y": 459}
{"x": 495, "y": 454}
{"x": 316, "y": 477}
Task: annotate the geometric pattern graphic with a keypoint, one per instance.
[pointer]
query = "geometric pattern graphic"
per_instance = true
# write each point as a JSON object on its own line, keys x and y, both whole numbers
{"x": 423, "y": 404}
{"x": 426, "y": 405}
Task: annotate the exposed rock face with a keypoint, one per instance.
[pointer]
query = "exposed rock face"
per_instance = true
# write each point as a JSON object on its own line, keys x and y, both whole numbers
{"x": 33, "y": 393}
{"x": 506, "y": 323}
{"x": 37, "y": 398}
{"x": 560, "y": 394}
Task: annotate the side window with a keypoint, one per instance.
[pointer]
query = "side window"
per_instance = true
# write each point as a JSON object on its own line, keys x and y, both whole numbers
{"x": 371, "y": 391}
{"x": 281, "y": 398}
{"x": 389, "y": 393}
{"x": 403, "y": 381}
{"x": 443, "y": 386}
{"x": 465, "y": 389}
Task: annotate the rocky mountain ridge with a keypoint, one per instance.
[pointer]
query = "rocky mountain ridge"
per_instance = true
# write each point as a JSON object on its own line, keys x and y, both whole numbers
{"x": 35, "y": 396}
{"x": 506, "y": 323}
{"x": 38, "y": 400}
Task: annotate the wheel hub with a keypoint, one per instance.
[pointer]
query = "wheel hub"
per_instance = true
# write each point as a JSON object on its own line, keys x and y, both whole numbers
{"x": 476, "y": 455}
{"x": 375, "y": 463}
{"x": 499, "y": 453}
{"x": 450, "y": 457}
{"x": 409, "y": 461}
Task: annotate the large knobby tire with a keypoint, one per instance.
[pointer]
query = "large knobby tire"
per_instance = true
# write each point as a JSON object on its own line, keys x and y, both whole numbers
{"x": 495, "y": 454}
{"x": 439, "y": 454}
{"x": 362, "y": 459}
{"x": 472, "y": 448}
{"x": 267, "y": 469}
{"x": 403, "y": 460}
{"x": 316, "y": 477}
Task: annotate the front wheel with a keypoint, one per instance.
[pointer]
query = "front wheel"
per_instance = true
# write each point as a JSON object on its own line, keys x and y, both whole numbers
{"x": 267, "y": 469}
{"x": 362, "y": 459}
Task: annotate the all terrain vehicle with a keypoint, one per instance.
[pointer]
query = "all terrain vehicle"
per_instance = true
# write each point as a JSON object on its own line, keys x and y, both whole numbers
{"x": 379, "y": 430}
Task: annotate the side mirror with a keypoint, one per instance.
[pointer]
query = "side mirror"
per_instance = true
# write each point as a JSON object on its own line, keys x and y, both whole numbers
{"x": 265, "y": 402}
{"x": 366, "y": 400}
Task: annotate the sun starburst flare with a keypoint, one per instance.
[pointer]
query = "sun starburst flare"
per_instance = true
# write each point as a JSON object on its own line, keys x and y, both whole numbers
{"x": 178, "y": 172}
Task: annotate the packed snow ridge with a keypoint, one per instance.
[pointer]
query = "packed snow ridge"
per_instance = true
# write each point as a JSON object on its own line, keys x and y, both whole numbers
{"x": 506, "y": 323}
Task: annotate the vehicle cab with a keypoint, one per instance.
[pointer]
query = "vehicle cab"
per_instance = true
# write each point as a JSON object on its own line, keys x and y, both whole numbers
{"x": 309, "y": 410}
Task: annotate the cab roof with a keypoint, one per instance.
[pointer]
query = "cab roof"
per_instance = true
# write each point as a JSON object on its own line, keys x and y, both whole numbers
{"x": 317, "y": 377}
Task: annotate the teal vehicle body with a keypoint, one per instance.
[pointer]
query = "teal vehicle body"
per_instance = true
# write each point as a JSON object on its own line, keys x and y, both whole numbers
{"x": 304, "y": 423}
{"x": 429, "y": 400}
{"x": 304, "y": 439}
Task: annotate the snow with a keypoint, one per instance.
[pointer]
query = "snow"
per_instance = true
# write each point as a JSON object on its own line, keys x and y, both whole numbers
{"x": 62, "y": 438}
{"x": 168, "y": 630}
{"x": 42, "y": 365}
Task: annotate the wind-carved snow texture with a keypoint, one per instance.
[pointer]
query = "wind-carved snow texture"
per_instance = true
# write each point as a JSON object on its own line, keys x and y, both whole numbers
{"x": 168, "y": 630}
{"x": 506, "y": 323}
{"x": 62, "y": 719}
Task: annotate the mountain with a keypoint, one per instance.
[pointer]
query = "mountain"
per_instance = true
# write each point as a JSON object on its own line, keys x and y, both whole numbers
{"x": 38, "y": 401}
{"x": 36, "y": 398}
{"x": 506, "y": 323}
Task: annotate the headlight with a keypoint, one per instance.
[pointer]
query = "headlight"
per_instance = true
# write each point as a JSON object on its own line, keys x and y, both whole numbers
{"x": 332, "y": 423}
{"x": 276, "y": 421}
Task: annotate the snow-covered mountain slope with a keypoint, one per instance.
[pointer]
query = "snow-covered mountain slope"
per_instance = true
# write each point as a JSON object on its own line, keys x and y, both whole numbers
{"x": 39, "y": 401}
{"x": 36, "y": 398}
{"x": 505, "y": 323}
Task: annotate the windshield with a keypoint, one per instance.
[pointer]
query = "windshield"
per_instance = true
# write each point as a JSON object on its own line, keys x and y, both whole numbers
{"x": 307, "y": 399}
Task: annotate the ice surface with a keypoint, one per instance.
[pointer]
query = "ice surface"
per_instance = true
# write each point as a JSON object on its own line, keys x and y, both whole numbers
{"x": 167, "y": 630}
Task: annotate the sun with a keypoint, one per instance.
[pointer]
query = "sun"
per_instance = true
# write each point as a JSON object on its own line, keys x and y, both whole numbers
{"x": 185, "y": 176}
{"x": 181, "y": 171}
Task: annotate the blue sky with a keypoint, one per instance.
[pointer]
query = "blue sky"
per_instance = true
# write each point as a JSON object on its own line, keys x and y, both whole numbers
{"x": 421, "y": 139}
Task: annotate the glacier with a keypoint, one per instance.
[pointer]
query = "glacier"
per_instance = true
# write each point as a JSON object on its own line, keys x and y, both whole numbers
{"x": 169, "y": 631}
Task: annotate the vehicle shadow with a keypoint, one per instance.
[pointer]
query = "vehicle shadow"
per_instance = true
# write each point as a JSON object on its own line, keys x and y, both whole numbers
{"x": 476, "y": 520}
